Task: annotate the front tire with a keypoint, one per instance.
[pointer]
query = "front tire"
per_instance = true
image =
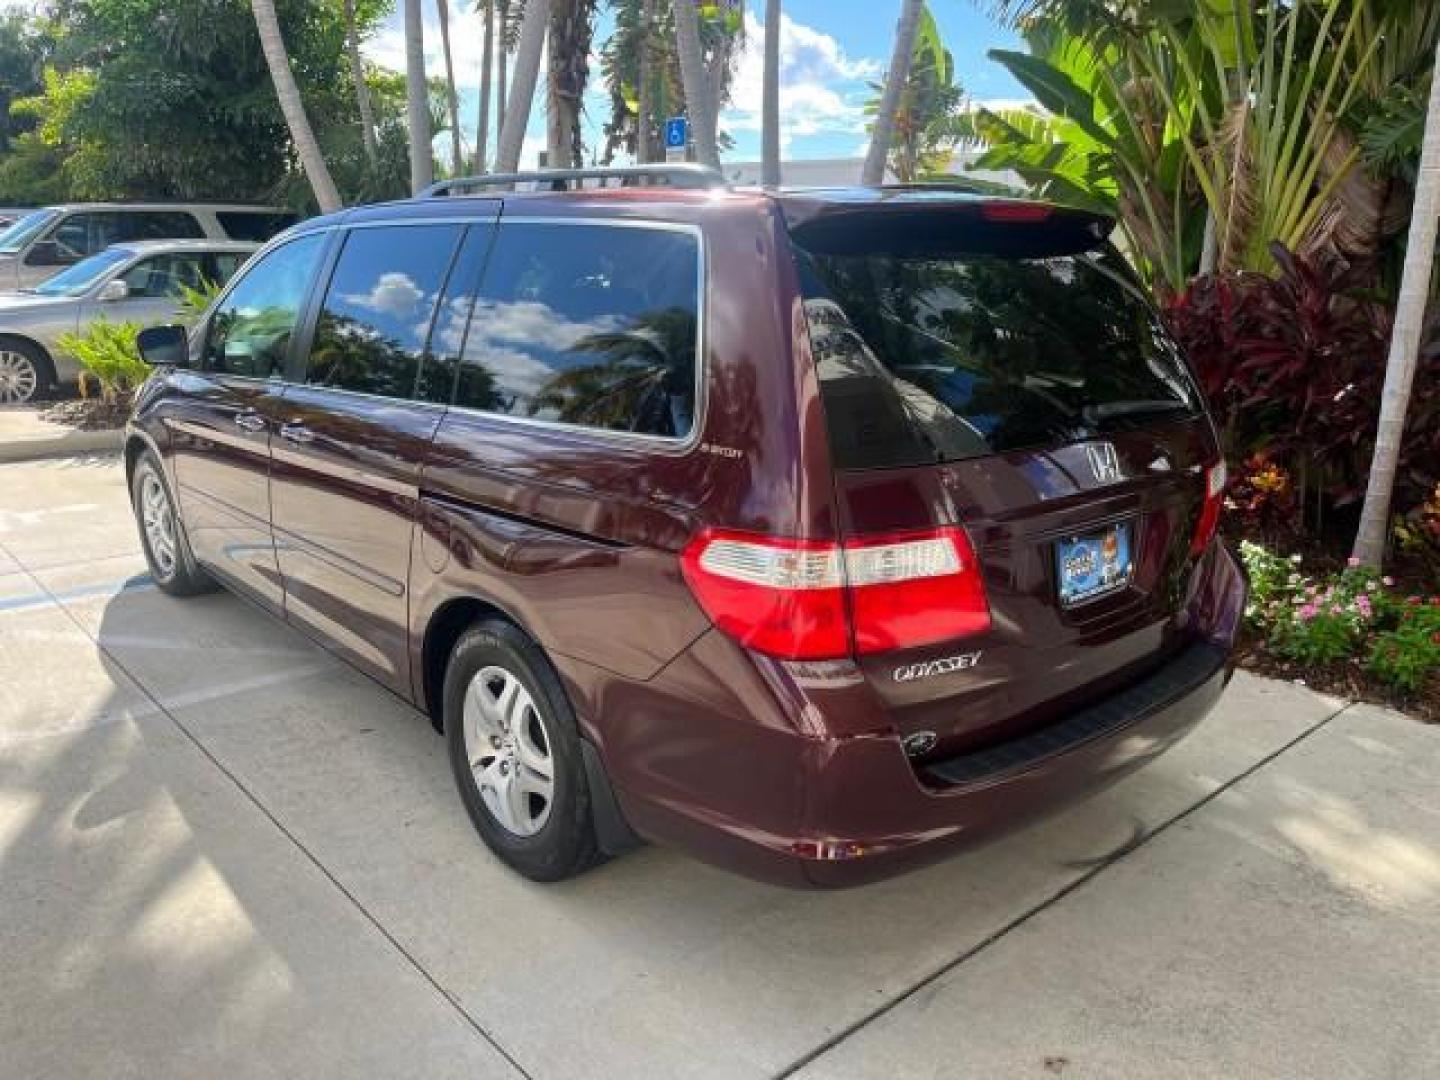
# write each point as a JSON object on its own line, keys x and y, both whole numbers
{"x": 515, "y": 751}
{"x": 167, "y": 551}
{"x": 25, "y": 373}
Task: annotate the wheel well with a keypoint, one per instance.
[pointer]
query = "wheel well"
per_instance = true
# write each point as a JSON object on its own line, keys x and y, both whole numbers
{"x": 42, "y": 355}
{"x": 134, "y": 447}
{"x": 445, "y": 628}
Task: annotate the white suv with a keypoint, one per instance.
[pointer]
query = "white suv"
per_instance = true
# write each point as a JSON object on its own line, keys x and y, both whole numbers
{"x": 45, "y": 241}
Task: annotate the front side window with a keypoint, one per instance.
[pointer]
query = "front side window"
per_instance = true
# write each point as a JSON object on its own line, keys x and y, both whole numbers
{"x": 250, "y": 330}
{"x": 593, "y": 325}
{"x": 82, "y": 234}
{"x": 166, "y": 276}
{"x": 371, "y": 333}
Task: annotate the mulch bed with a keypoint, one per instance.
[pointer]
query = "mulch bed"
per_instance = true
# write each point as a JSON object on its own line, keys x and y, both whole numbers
{"x": 1346, "y": 679}
{"x": 89, "y": 414}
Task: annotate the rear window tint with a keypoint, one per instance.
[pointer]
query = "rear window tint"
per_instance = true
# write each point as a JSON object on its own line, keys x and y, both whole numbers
{"x": 256, "y": 225}
{"x": 935, "y": 359}
{"x": 161, "y": 225}
{"x": 591, "y": 325}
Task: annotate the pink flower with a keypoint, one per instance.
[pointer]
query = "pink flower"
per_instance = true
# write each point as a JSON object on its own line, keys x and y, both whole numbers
{"x": 1307, "y": 613}
{"x": 1352, "y": 562}
{"x": 1388, "y": 581}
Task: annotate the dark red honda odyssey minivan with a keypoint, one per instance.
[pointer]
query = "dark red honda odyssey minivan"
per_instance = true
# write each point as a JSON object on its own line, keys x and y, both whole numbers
{"x": 819, "y": 533}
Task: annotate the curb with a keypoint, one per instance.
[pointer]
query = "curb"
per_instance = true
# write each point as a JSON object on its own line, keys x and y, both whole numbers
{"x": 39, "y": 447}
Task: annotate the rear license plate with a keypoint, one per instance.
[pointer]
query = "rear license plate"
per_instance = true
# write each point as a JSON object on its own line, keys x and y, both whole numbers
{"x": 1094, "y": 564}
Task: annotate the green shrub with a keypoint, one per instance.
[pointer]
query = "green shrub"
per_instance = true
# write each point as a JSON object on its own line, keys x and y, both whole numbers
{"x": 107, "y": 353}
{"x": 1408, "y": 655}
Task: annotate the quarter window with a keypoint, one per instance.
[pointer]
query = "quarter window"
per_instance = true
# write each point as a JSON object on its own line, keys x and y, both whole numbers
{"x": 372, "y": 328}
{"x": 161, "y": 225}
{"x": 249, "y": 332}
{"x": 593, "y": 325}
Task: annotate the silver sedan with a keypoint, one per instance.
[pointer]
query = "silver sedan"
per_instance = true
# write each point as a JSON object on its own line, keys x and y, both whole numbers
{"x": 137, "y": 282}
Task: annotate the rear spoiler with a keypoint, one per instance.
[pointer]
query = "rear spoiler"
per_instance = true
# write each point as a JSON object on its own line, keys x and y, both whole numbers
{"x": 930, "y": 222}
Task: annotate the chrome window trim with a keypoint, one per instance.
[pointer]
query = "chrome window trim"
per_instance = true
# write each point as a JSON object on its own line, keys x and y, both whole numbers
{"x": 670, "y": 444}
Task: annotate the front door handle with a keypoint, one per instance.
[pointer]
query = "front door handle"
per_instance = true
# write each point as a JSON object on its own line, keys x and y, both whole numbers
{"x": 296, "y": 433}
{"x": 251, "y": 422}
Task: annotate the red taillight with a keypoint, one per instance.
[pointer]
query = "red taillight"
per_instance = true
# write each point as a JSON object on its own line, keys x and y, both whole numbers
{"x": 1216, "y": 478}
{"x": 804, "y": 600}
{"x": 1015, "y": 211}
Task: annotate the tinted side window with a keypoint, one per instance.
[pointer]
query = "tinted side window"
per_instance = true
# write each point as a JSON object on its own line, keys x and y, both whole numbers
{"x": 161, "y": 225}
{"x": 249, "y": 333}
{"x": 376, "y": 316}
{"x": 593, "y": 325}
{"x": 257, "y": 225}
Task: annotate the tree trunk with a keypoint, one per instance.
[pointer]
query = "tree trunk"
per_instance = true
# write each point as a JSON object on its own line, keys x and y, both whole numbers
{"x": 452, "y": 99}
{"x": 644, "y": 105}
{"x": 502, "y": 84}
{"x": 697, "y": 83}
{"x": 293, "y": 108}
{"x": 482, "y": 127}
{"x": 770, "y": 99}
{"x": 883, "y": 131}
{"x": 718, "y": 66}
{"x": 417, "y": 100}
{"x": 1404, "y": 341}
{"x": 362, "y": 90}
{"x": 569, "y": 61}
{"x": 522, "y": 90}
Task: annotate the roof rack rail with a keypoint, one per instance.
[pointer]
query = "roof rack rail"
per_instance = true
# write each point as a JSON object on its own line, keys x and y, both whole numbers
{"x": 677, "y": 176}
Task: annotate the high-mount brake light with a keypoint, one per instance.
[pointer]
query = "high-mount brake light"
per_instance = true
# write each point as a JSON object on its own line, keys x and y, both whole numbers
{"x": 1015, "y": 211}
{"x": 807, "y": 600}
{"x": 1216, "y": 477}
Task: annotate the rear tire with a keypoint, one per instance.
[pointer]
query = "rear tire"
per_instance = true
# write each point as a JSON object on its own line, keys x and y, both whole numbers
{"x": 162, "y": 536}
{"x": 26, "y": 374}
{"x": 515, "y": 751}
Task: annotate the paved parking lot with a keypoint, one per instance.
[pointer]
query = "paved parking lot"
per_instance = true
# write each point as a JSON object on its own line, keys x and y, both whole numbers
{"x": 222, "y": 853}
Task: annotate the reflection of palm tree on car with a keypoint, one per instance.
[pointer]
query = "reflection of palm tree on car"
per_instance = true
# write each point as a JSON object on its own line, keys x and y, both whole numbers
{"x": 644, "y": 381}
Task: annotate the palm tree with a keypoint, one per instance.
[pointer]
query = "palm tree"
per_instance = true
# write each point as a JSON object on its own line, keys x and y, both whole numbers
{"x": 502, "y": 85}
{"x": 362, "y": 89}
{"x": 696, "y": 80}
{"x": 644, "y": 86}
{"x": 571, "y": 27}
{"x": 1405, "y": 339}
{"x": 482, "y": 131}
{"x": 457, "y": 161}
{"x": 522, "y": 89}
{"x": 770, "y": 99}
{"x": 292, "y": 107}
{"x": 895, "y": 79}
{"x": 417, "y": 100}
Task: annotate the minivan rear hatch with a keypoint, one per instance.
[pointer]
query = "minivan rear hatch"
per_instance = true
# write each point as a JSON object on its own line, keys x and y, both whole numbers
{"x": 994, "y": 365}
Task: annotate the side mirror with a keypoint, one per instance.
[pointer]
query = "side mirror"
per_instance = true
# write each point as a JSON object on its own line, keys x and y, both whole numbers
{"x": 116, "y": 289}
{"x": 164, "y": 346}
{"x": 44, "y": 253}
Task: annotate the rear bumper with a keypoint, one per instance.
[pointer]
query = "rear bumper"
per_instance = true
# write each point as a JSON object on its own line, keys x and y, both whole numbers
{"x": 772, "y": 794}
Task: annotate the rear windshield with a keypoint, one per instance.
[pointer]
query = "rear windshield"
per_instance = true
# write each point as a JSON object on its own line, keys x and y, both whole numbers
{"x": 927, "y": 359}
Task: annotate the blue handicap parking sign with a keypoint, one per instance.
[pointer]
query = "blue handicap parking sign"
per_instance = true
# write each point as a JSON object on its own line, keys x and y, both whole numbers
{"x": 676, "y": 133}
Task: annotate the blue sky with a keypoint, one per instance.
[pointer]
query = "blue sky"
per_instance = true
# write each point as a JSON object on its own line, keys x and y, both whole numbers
{"x": 830, "y": 50}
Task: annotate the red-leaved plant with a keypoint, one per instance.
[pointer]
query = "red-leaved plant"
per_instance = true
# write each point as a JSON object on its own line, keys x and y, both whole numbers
{"x": 1293, "y": 367}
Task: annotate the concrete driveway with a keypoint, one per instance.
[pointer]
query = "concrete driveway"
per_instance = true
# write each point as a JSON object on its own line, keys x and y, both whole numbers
{"x": 222, "y": 853}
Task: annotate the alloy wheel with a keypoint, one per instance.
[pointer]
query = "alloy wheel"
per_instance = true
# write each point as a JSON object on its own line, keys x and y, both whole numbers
{"x": 158, "y": 521}
{"x": 509, "y": 751}
{"x": 18, "y": 378}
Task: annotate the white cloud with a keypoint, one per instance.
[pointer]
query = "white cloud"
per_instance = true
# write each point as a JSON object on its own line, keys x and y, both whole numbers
{"x": 822, "y": 89}
{"x": 394, "y": 294}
